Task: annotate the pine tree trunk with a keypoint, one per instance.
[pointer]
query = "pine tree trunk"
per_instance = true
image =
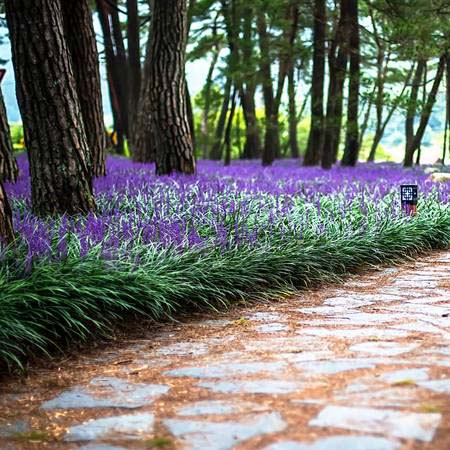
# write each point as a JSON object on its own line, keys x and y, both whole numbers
{"x": 447, "y": 110}
{"x": 190, "y": 113}
{"x": 227, "y": 139}
{"x": 247, "y": 87}
{"x": 116, "y": 69}
{"x": 8, "y": 165}
{"x": 50, "y": 110}
{"x": 315, "y": 140}
{"x": 351, "y": 151}
{"x": 6, "y": 224}
{"x": 293, "y": 142}
{"x": 216, "y": 151}
{"x": 169, "y": 115}
{"x": 134, "y": 65}
{"x": 80, "y": 36}
{"x": 412, "y": 108}
{"x": 143, "y": 143}
{"x": 426, "y": 113}
{"x": 204, "y": 128}
{"x": 271, "y": 137}
{"x": 252, "y": 146}
{"x": 338, "y": 69}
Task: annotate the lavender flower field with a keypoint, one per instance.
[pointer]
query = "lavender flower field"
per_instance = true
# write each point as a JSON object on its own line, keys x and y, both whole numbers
{"x": 158, "y": 246}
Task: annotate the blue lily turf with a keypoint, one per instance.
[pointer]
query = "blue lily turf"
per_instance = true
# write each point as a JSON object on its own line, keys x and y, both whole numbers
{"x": 161, "y": 245}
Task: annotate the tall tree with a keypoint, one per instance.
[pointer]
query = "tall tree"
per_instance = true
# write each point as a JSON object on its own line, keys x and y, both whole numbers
{"x": 413, "y": 102}
{"x": 169, "y": 116}
{"x": 80, "y": 36}
{"x": 47, "y": 95}
{"x": 8, "y": 165}
{"x": 337, "y": 62}
{"x": 351, "y": 150}
{"x": 216, "y": 150}
{"x": 315, "y": 139}
{"x": 143, "y": 142}
{"x": 293, "y": 142}
{"x": 116, "y": 68}
{"x": 6, "y": 224}
{"x": 426, "y": 113}
{"x": 9, "y": 172}
{"x": 134, "y": 63}
{"x": 272, "y": 134}
{"x": 247, "y": 86}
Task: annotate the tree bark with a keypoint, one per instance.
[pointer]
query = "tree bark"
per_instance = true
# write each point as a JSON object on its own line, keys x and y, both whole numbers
{"x": 134, "y": 62}
{"x": 216, "y": 151}
{"x": 337, "y": 68}
{"x": 293, "y": 142}
{"x": 315, "y": 140}
{"x": 247, "y": 88}
{"x": 447, "y": 109}
{"x": 116, "y": 68}
{"x": 227, "y": 139}
{"x": 50, "y": 110}
{"x": 412, "y": 103}
{"x": 8, "y": 165}
{"x": 426, "y": 113}
{"x": 168, "y": 36}
{"x": 80, "y": 36}
{"x": 379, "y": 132}
{"x": 272, "y": 135}
{"x": 204, "y": 128}
{"x": 6, "y": 224}
{"x": 351, "y": 151}
{"x": 143, "y": 143}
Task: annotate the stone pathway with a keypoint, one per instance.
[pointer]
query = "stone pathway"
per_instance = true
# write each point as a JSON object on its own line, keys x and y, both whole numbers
{"x": 362, "y": 366}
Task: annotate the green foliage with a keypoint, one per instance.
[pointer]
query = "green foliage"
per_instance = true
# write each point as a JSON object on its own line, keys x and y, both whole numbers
{"x": 17, "y": 136}
{"x": 61, "y": 302}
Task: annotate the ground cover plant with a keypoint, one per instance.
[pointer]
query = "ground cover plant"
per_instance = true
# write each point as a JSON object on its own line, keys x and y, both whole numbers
{"x": 160, "y": 245}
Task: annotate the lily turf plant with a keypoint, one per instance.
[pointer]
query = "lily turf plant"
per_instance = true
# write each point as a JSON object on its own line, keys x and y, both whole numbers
{"x": 158, "y": 246}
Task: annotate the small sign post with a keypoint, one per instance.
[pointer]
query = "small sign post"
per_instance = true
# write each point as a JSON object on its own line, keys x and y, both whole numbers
{"x": 2, "y": 74}
{"x": 409, "y": 195}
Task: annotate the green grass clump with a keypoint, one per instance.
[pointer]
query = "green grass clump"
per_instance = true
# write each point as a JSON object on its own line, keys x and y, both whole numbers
{"x": 59, "y": 302}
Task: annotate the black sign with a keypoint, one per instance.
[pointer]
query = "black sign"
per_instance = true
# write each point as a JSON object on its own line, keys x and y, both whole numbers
{"x": 409, "y": 195}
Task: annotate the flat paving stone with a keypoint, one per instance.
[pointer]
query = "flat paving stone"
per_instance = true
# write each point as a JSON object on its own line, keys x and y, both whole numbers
{"x": 107, "y": 392}
{"x": 307, "y": 356}
{"x": 215, "y": 407}
{"x": 371, "y": 396}
{"x": 398, "y": 376}
{"x": 418, "y": 426}
{"x": 13, "y": 428}
{"x": 383, "y": 348}
{"x": 356, "y": 318}
{"x": 184, "y": 349}
{"x": 348, "y": 302}
{"x": 441, "y": 386}
{"x": 131, "y": 426}
{"x": 412, "y": 283}
{"x": 340, "y": 365}
{"x": 339, "y": 443}
{"x": 265, "y": 316}
{"x": 202, "y": 435}
{"x": 227, "y": 370}
{"x": 260, "y": 386}
{"x": 326, "y": 310}
{"x": 353, "y": 333}
{"x": 100, "y": 447}
{"x": 272, "y": 328}
{"x": 294, "y": 343}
